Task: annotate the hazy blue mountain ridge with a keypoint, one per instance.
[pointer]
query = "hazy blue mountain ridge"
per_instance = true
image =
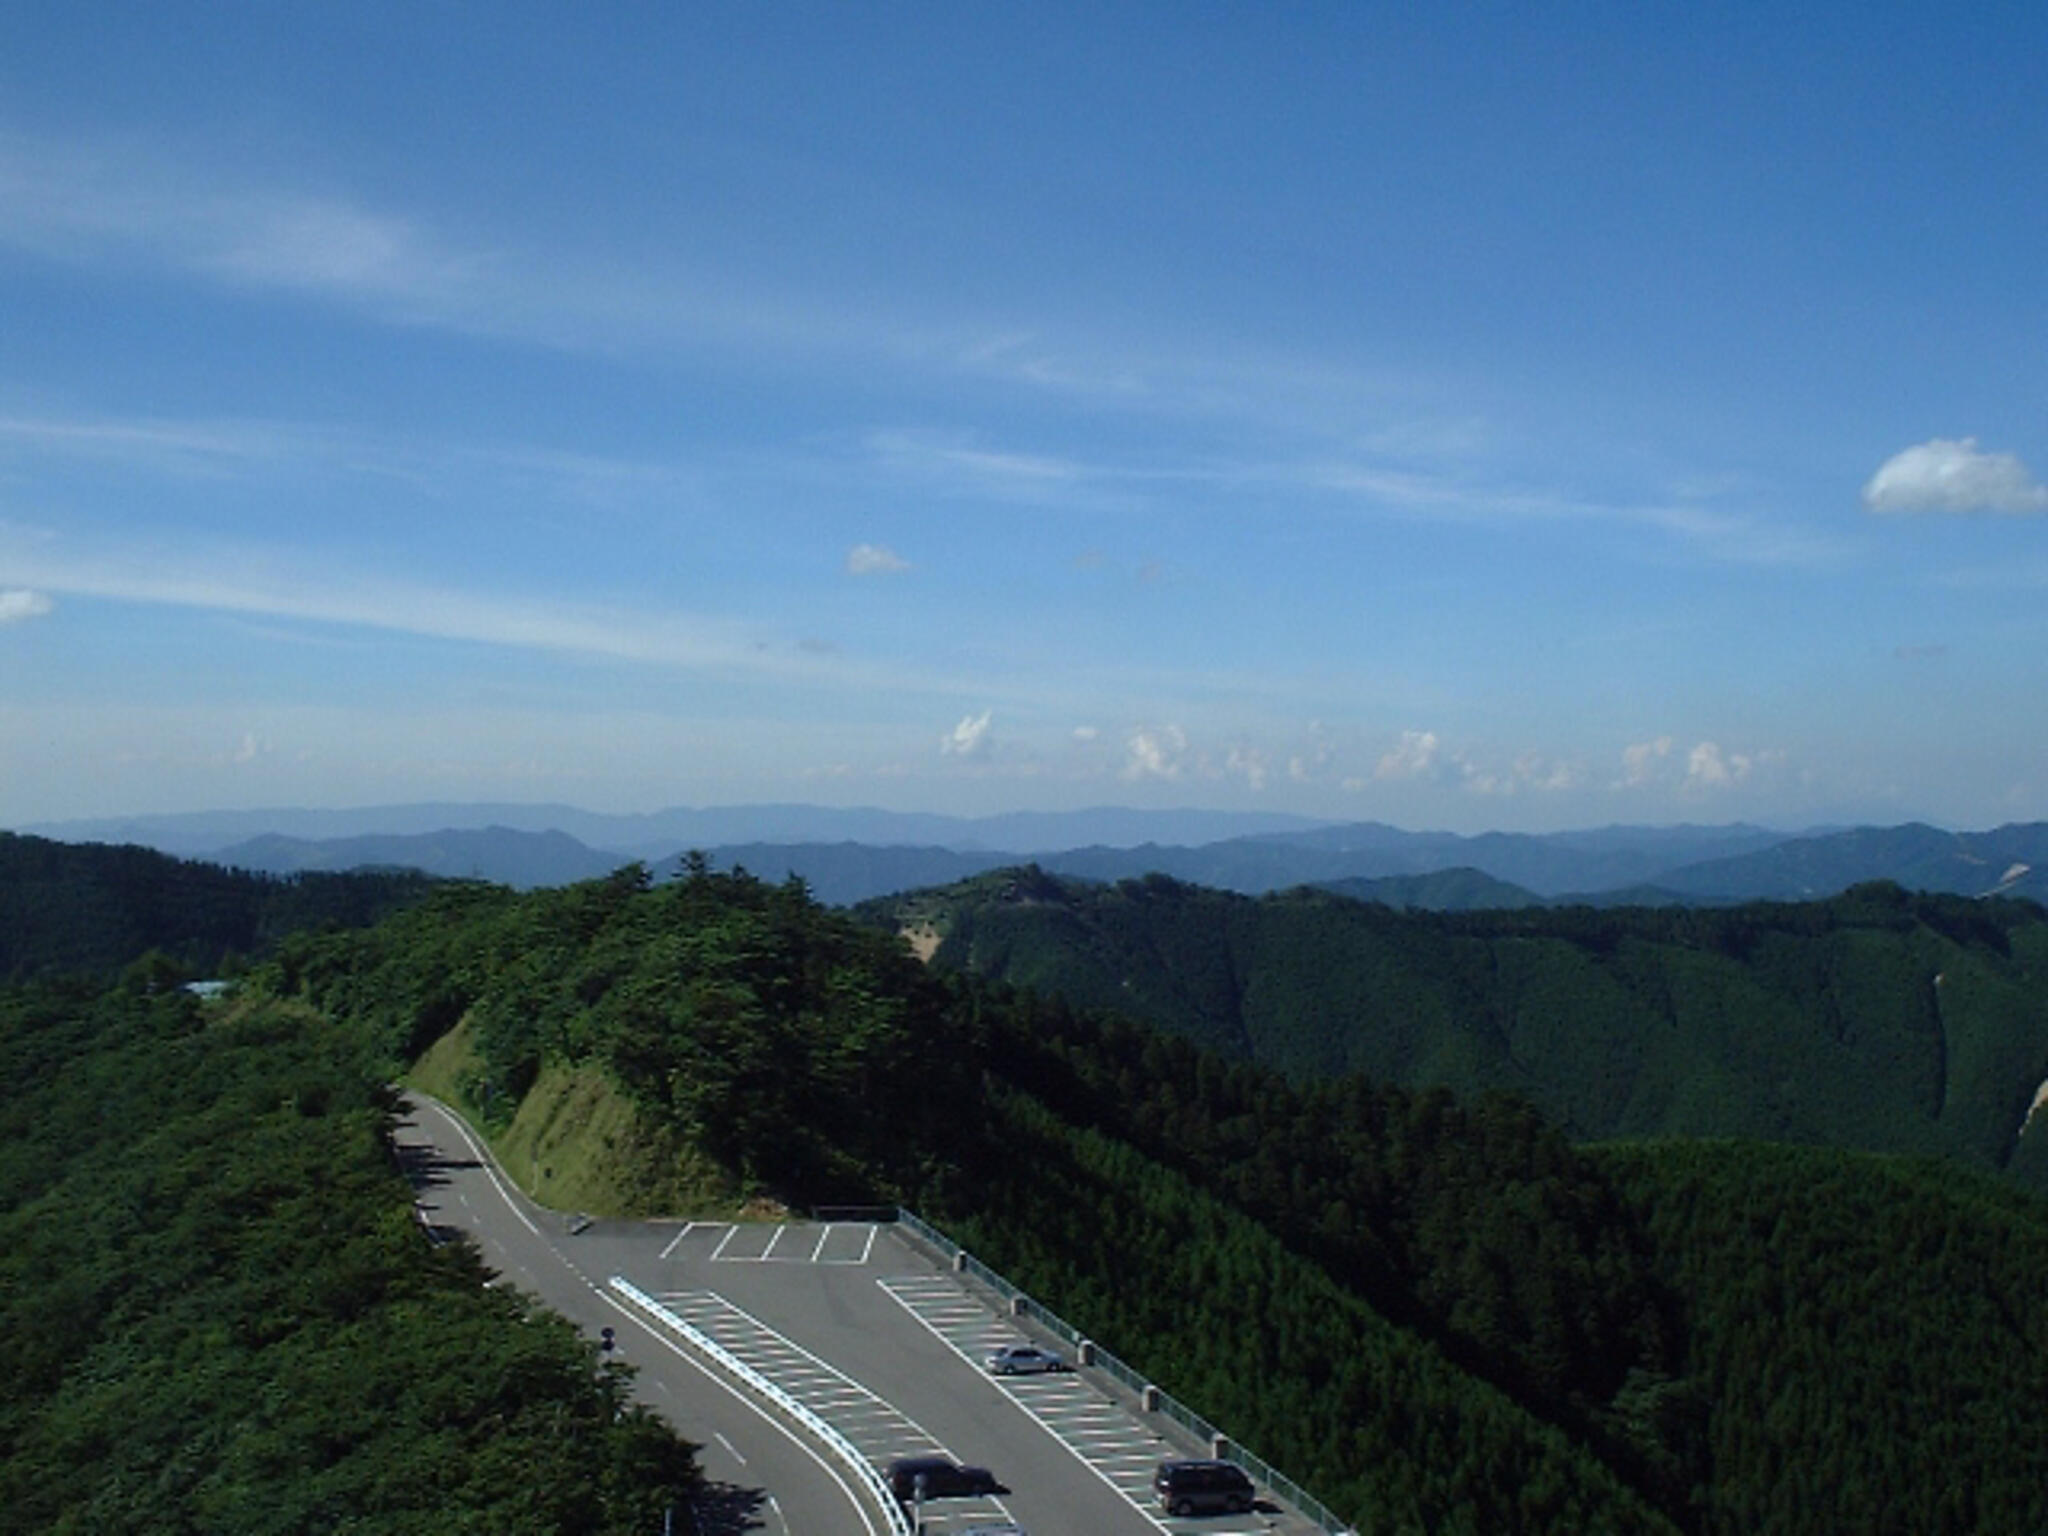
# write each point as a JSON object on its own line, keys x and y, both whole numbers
{"x": 847, "y": 856}
{"x": 1915, "y": 855}
{"x": 498, "y": 854}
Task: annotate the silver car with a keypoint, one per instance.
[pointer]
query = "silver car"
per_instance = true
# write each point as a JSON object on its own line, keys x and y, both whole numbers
{"x": 1024, "y": 1360}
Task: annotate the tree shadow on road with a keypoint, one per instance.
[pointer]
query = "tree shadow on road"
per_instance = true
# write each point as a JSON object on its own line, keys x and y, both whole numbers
{"x": 724, "y": 1509}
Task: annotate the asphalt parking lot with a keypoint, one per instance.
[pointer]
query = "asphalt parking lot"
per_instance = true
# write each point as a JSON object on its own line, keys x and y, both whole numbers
{"x": 867, "y": 1330}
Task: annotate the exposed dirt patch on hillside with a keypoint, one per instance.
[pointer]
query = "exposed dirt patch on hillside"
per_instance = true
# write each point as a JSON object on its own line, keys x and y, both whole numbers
{"x": 923, "y": 939}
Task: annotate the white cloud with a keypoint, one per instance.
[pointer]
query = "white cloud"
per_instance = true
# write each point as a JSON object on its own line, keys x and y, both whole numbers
{"x": 18, "y": 604}
{"x": 1085, "y": 733}
{"x": 1708, "y": 767}
{"x": 870, "y": 559}
{"x": 969, "y": 738}
{"x": 1414, "y": 758}
{"x": 1952, "y": 475}
{"x": 1159, "y": 754}
{"x": 1530, "y": 771}
{"x": 1249, "y": 764}
{"x": 263, "y": 581}
{"x": 1639, "y": 761}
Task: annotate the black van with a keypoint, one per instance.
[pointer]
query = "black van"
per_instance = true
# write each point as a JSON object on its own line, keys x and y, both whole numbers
{"x": 1202, "y": 1488}
{"x": 940, "y": 1477}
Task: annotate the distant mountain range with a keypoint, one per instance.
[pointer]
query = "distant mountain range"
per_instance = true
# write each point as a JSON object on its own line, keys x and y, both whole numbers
{"x": 658, "y": 835}
{"x": 847, "y": 856}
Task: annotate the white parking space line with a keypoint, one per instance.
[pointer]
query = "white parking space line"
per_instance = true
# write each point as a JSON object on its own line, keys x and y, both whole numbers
{"x": 876, "y": 1428}
{"x": 938, "y": 1305}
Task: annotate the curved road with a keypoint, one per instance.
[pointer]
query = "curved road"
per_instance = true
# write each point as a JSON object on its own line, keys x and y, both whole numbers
{"x": 762, "y": 1476}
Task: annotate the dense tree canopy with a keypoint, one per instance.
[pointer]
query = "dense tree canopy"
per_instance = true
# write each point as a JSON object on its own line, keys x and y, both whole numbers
{"x": 218, "y": 1313}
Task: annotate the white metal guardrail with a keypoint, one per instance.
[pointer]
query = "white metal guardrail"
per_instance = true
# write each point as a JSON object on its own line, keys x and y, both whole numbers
{"x": 863, "y": 1471}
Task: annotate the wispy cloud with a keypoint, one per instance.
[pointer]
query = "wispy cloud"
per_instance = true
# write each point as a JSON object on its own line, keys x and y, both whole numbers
{"x": 1724, "y": 536}
{"x": 969, "y": 738}
{"x": 128, "y": 204}
{"x": 1414, "y": 757}
{"x": 1953, "y": 475}
{"x": 18, "y": 604}
{"x": 252, "y": 581}
{"x": 249, "y": 448}
{"x": 873, "y": 560}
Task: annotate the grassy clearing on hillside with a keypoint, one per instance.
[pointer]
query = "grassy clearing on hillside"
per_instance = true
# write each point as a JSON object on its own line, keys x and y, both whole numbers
{"x": 577, "y": 1142}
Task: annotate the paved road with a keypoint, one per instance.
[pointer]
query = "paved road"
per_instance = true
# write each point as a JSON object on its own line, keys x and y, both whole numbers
{"x": 857, "y": 1322}
{"x": 763, "y": 1477}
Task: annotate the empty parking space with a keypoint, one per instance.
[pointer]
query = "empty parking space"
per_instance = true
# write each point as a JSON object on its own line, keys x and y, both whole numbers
{"x": 761, "y": 1242}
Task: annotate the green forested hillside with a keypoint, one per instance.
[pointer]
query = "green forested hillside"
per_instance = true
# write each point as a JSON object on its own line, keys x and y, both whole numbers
{"x": 92, "y": 907}
{"x": 217, "y": 1312}
{"x": 1881, "y": 1020}
{"x": 1436, "y": 1312}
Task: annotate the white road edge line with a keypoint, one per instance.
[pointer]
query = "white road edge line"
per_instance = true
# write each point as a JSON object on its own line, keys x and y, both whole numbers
{"x": 482, "y": 1154}
{"x": 860, "y": 1505}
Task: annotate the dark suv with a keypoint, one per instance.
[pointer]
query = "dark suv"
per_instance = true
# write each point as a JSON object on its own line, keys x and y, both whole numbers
{"x": 943, "y": 1479}
{"x": 1202, "y": 1488}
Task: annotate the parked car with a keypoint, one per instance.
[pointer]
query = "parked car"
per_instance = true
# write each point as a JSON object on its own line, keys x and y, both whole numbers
{"x": 1024, "y": 1360}
{"x": 1203, "y": 1488}
{"x": 943, "y": 1479}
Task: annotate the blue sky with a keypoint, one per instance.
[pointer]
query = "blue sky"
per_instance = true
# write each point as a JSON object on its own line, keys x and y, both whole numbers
{"x": 1453, "y": 416}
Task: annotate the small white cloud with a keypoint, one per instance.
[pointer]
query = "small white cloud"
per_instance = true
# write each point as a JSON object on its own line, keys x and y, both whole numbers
{"x": 250, "y": 748}
{"x": 1951, "y": 475}
{"x": 1085, "y": 733}
{"x": 1249, "y": 764}
{"x": 969, "y": 738}
{"x": 1414, "y": 758}
{"x": 1639, "y": 762}
{"x": 1707, "y": 767}
{"x": 870, "y": 559}
{"x": 18, "y": 604}
{"x": 1156, "y": 754}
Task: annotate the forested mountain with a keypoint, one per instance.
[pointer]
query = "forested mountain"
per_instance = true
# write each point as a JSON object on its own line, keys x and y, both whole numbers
{"x": 1457, "y": 1320}
{"x": 94, "y": 907}
{"x": 1880, "y": 1019}
{"x": 840, "y": 874}
{"x": 1444, "y": 890}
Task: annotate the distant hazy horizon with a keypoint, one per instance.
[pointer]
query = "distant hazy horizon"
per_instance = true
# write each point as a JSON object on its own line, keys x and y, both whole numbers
{"x": 1447, "y": 417}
